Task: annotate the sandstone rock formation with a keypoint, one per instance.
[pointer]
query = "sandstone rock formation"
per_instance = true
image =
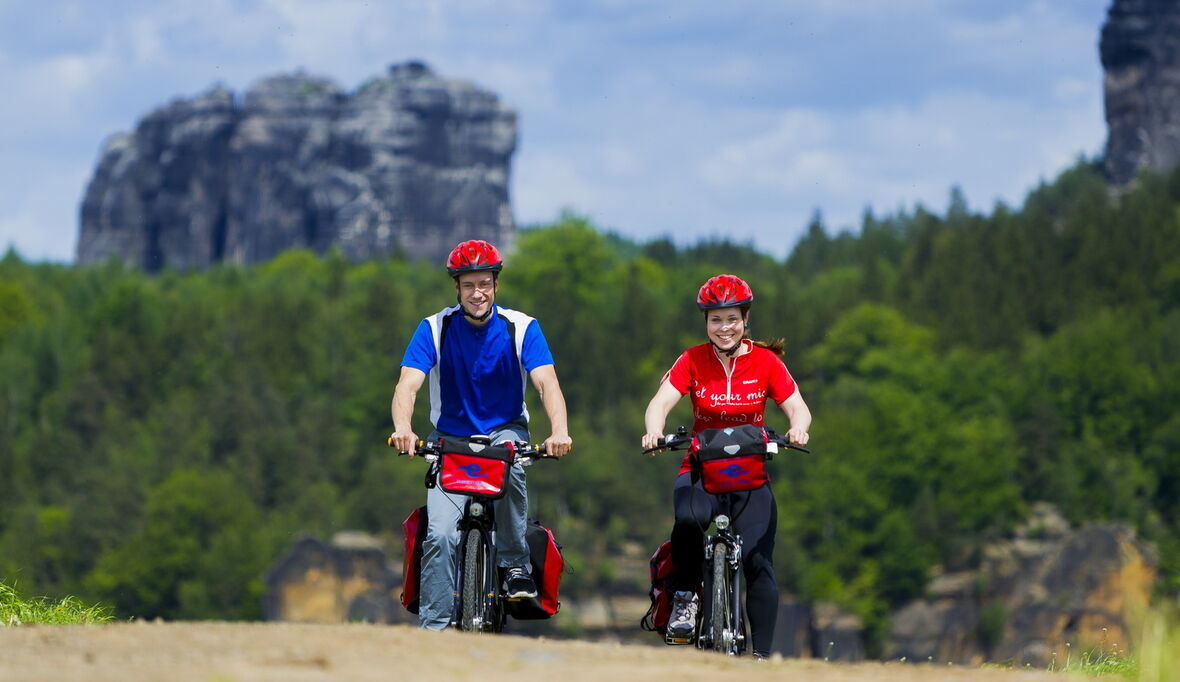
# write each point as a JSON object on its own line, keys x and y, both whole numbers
{"x": 1050, "y": 592}
{"x": 1141, "y": 56}
{"x": 409, "y": 162}
{"x": 347, "y": 580}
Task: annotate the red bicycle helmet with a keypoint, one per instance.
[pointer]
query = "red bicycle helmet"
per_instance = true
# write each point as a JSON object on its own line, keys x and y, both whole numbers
{"x": 473, "y": 256}
{"x": 724, "y": 291}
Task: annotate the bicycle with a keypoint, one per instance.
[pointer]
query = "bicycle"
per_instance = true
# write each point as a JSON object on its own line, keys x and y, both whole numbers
{"x": 477, "y": 469}
{"x": 721, "y": 624}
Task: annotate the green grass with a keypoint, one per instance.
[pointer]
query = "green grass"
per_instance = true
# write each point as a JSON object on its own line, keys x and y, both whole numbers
{"x": 1159, "y": 651}
{"x": 1156, "y": 659}
{"x": 1099, "y": 662}
{"x": 15, "y": 610}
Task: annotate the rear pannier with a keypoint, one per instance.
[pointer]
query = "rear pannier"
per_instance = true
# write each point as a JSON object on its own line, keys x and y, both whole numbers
{"x": 547, "y": 564}
{"x": 414, "y": 532}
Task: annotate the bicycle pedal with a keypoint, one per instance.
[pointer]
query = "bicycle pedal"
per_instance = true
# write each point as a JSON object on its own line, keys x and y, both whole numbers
{"x": 677, "y": 641}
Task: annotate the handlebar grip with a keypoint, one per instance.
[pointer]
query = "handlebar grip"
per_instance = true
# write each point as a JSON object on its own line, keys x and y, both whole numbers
{"x": 664, "y": 443}
{"x": 390, "y": 443}
{"x": 528, "y": 451}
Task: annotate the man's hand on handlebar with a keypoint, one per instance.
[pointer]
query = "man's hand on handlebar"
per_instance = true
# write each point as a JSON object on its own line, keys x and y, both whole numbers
{"x": 404, "y": 441}
{"x": 558, "y": 445}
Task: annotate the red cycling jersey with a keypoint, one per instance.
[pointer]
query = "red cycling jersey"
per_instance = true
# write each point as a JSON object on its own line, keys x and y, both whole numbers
{"x": 723, "y": 398}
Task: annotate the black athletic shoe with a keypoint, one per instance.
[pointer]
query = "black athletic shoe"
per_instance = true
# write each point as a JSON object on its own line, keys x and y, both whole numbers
{"x": 518, "y": 584}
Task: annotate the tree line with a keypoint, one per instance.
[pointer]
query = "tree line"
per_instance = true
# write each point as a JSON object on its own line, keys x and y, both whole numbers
{"x": 163, "y": 438}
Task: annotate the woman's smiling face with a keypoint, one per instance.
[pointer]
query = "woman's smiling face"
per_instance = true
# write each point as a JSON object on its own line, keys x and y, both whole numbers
{"x": 725, "y": 327}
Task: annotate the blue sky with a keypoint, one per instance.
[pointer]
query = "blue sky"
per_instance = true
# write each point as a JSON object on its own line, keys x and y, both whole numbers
{"x": 650, "y": 117}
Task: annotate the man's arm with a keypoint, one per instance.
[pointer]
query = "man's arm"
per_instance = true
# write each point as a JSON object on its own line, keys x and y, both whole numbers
{"x": 545, "y": 380}
{"x": 404, "y": 395}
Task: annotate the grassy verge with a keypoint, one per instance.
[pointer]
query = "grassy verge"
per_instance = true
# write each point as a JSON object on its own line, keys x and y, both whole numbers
{"x": 1099, "y": 663}
{"x": 1159, "y": 652}
{"x": 1156, "y": 659}
{"x": 15, "y": 610}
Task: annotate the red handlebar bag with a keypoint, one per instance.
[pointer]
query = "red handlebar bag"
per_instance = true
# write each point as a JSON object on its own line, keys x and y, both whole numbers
{"x": 732, "y": 459}
{"x": 472, "y": 468}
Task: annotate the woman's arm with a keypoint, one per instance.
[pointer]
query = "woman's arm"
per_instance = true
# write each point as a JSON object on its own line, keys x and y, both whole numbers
{"x": 657, "y": 412}
{"x": 799, "y": 417}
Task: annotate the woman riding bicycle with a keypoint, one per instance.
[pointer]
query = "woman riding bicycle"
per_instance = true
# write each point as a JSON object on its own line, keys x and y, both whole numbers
{"x": 730, "y": 378}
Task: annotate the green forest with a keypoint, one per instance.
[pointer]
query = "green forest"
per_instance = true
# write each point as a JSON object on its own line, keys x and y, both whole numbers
{"x": 164, "y": 438}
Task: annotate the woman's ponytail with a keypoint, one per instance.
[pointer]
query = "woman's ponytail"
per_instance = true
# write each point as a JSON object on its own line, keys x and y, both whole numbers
{"x": 776, "y": 346}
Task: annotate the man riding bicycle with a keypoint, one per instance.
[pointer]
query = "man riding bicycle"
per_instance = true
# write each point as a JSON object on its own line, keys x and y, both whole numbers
{"x": 477, "y": 355}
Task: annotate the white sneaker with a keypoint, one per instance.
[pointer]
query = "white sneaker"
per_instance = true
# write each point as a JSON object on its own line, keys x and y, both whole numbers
{"x": 684, "y": 615}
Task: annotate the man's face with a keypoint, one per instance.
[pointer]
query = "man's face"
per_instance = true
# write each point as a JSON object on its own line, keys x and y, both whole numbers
{"x": 477, "y": 292}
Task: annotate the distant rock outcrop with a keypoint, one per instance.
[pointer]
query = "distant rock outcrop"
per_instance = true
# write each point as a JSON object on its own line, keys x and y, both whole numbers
{"x": 1051, "y": 591}
{"x": 347, "y": 580}
{"x": 410, "y": 162}
{"x": 1141, "y": 56}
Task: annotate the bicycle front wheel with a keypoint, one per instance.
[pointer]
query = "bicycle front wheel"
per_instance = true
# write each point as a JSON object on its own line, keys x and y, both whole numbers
{"x": 474, "y": 577}
{"x": 720, "y": 613}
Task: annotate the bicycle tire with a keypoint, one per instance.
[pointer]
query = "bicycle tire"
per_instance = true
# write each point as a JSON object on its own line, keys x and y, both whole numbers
{"x": 474, "y": 576}
{"x": 719, "y": 613}
{"x": 739, "y": 615}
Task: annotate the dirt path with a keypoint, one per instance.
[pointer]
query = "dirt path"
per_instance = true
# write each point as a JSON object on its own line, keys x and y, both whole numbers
{"x": 253, "y": 652}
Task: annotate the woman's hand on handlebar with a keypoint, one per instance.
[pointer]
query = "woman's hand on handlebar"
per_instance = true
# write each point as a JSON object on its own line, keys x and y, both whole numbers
{"x": 652, "y": 441}
{"x": 797, "y": 436}
{"x": 404, "y": 441}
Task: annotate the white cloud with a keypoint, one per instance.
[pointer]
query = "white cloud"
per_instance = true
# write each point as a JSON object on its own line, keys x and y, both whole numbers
{"x": 547, "y": 183}
{"x": 37, "y": 218}
{"x": 44, "y": 94}
{"x": 900, "y": 155}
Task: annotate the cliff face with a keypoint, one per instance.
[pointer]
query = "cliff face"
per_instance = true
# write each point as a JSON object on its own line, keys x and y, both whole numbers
{"x": 1141, "y": 57}
{"x": 345, "y": 581}
{"x": 410, "y": 161}
{"x": 1051, "y": 589}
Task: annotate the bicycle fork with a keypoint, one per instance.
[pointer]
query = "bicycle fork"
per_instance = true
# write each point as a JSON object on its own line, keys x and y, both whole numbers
{"x": 722, "y": 626}
{"x": 475, "y": 590}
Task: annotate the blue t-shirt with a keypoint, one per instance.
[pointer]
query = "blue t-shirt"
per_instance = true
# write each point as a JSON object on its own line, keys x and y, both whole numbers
{"x": 477, "y": 373}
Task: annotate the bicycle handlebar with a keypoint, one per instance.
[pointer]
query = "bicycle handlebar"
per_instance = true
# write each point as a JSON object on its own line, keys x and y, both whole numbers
{"x": 682, "y": 438}
{"x": 522, "y": 449}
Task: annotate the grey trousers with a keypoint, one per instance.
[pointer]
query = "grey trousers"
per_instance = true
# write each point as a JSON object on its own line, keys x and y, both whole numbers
{"x": 440, "y": 547}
